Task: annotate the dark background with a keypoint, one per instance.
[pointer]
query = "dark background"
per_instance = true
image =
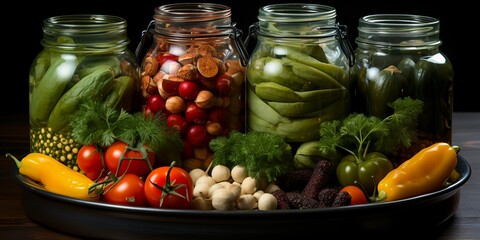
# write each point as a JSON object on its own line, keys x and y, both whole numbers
{"x": 22, "y": 34}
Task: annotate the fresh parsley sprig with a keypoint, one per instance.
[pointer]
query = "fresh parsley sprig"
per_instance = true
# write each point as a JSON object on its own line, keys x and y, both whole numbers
{"x": 359, "y": 134}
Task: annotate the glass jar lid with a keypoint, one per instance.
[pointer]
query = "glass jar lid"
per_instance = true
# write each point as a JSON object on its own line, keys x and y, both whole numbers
{"x": 399, "y": 30}
{"x": 296, "y": 19}
{"x": 85, "y": 32}
{"x": 187, "y": 19}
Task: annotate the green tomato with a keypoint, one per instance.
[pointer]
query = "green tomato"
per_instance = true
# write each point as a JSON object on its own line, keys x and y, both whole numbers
{"x": 367, "y": 171}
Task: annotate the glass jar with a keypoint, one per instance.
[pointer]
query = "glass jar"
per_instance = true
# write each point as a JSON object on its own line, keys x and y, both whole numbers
{"x": 194, "y": 74}
{"x": 398, "y": 56}
{"x": 83, "y": 56}
{"x": 298, "y": 72}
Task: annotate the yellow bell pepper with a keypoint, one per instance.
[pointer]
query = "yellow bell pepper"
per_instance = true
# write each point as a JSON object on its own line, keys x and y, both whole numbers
{"x": 55, "y": 176}
{"x": 425, "y": 172}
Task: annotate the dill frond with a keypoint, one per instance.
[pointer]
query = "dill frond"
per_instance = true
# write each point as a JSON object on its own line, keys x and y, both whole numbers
{"x": 265, "y": 156}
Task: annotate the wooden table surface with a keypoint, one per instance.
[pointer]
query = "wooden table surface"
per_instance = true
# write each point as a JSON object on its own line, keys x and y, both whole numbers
{"x": 15, "y": 224}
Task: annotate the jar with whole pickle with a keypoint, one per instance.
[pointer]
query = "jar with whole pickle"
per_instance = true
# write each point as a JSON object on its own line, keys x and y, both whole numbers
{"x": 193, "y": 74}
{"x": 298, "y": 72}
{"x": 83, "y": 57}
{"x": 398, "y": 56}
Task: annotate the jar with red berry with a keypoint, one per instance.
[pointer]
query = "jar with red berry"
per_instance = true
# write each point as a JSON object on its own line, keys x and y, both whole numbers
{"x": 193, "y": 74}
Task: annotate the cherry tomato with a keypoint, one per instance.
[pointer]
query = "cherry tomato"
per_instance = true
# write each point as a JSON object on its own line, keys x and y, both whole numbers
{"x": 195, "y": 114}
{"x": 91, "y": 161}
{"x": 169, "y": 187}
{"x": 155, "y": 103}
{"x": 127, "y": 190}
{"x": 358, "y": 195}
{"x": 223, "y": 84}
{"x": 178, "y": 121}
{"x": 197, "y": 135}
{"x": 132, "y": 160}
{"x": 188, "y": 90}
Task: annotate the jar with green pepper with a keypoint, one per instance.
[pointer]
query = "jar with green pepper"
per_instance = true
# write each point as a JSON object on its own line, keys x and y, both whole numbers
{"x": 83, "y": 57}
{"x": 297, "y": 73}
{"x": 397, "y": 56}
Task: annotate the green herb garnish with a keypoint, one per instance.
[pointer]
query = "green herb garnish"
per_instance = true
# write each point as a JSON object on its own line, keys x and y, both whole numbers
{"x": 265, "y": 156}
{"x": 359, "y": 134}
{"x": 95, "y": 123}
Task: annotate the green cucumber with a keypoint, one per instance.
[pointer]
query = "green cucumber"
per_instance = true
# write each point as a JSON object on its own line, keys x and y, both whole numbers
{"x": 270, "y": 69}
{"x": 270, "y": 91}
{"x": 331, "y": 69}
{"x": 93, "y": 86}
{"x": 121, "y": 94}
{"x": 316, "y": 76}
{"x": 387, "y": 86}
{"x": 51, "y": 87}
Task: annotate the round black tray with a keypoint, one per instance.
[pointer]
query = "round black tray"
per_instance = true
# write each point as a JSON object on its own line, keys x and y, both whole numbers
{"x": 384, "y": 220}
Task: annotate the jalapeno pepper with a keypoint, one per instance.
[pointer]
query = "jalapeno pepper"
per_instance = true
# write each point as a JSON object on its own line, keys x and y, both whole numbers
{"x": 55, "y": 176}
{"x": 425, "y": 172}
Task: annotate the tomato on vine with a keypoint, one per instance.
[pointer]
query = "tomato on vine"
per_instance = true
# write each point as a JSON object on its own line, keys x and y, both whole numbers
{"x": 133, "y": 143}
{"x": 125, "y": 190}
{"x": 169, "y": 187}
{"x": 90, "y": 160}
{"x": 121, "y": 158}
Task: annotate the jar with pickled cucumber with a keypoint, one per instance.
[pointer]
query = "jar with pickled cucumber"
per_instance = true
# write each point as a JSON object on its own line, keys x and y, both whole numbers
{"x": 298, "y": 72}
{"x": 83, "y": 57}
{"x": 398, "y": 56}
{"x": 193, "y": 74}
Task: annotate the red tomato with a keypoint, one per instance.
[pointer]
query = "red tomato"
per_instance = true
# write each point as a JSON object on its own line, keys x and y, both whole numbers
{"x": 178, "y": 121}
{"x": 195, "y": 114}
{"x": 358, "y": 195}
{"x": 156, "y": 103}
{"x": 197, "y": 135}
{"x": 223, "y": 84}
{"x": 132, "y": 160}
{"x": 169, "y": 187}
{"x": 188, "y": 90}
{"x": 90, "y": 160}
{"x": 128, "y": 190}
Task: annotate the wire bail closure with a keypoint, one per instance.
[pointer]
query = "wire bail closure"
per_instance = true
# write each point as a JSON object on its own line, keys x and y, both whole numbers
{"x": 342, "y": 33}
{"x": 236, "y": 35}
{"x": 145, "y": 36}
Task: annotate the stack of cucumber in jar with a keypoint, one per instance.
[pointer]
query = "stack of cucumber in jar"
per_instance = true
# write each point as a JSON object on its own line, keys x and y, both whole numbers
{"x": 293, "y": 89}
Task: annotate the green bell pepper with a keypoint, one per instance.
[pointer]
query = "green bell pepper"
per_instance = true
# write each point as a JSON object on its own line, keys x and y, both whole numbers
{"x": 364, "y": 170}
